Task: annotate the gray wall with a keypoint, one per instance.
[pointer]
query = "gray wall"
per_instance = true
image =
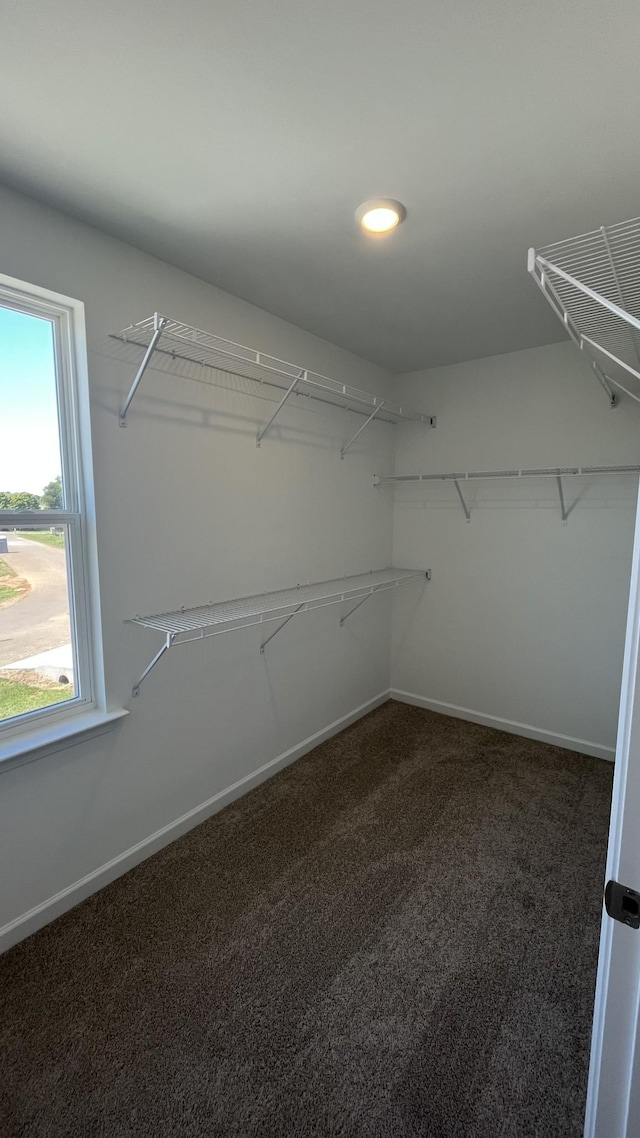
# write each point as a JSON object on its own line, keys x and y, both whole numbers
{"x": 523, "y": 623}
{"x": 188, "y": 510}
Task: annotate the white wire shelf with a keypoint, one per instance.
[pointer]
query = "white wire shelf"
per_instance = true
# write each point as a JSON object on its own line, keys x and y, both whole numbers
{"x": 178, "y": 341}
{"x": 557, "y": 472}
{"x": 188, "y": 624}
{"x": 592, "y": 282}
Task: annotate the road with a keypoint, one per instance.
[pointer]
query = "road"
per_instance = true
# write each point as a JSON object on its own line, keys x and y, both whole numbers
{"x": 41, "y": 620}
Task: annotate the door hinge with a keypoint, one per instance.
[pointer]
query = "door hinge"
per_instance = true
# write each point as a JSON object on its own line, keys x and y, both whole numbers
{"x": 623, "y": 904}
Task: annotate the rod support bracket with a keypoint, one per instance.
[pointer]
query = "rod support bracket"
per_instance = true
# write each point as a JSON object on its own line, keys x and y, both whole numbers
{"x": 362, "y": 600}
{"x": 467, "y": 512}
{"x": 280, "y": 627}
{"x": 372, "y": 416}
{"x": 159, "y": 325}
{"x": 290, "y": 391}
{"x": 564, "y": 512}
{"x": 135, "y": 691}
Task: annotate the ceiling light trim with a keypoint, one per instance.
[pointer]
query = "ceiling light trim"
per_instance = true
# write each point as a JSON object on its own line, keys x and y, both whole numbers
{"x": 380, "y": 216}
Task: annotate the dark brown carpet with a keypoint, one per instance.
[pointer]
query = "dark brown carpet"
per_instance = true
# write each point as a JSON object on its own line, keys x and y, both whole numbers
{"x": 395, "y": 937}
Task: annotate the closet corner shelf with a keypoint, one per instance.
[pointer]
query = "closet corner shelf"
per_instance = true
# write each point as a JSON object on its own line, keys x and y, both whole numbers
{"x": 592, "y": 283}
{"x": 188, "y": 624}
{"x": 179, "y": 341}
{"x": 557, "y": 472}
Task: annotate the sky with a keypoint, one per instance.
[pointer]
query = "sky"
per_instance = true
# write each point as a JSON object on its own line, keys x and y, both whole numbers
{"x": 29, "y": 443}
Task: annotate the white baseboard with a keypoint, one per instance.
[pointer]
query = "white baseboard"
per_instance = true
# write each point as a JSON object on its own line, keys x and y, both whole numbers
{"x": 597, "y": 750}
{"x": 67, "y": 898}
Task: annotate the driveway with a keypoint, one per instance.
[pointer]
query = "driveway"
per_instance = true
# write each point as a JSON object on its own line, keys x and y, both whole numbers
{"x": 40, "y": 621}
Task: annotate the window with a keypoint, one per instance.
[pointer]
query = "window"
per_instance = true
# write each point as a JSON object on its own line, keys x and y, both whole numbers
{"x": 50, "y": 669}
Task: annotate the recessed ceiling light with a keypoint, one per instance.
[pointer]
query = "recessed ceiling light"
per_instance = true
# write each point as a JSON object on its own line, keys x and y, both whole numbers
{"x": 380, "y": 215}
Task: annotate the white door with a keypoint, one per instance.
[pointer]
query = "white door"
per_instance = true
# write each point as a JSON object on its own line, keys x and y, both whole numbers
{"x": 613, "y": 1101}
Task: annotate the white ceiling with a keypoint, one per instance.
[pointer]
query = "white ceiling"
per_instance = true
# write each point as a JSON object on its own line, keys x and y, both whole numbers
{"x": 236, "y": 139}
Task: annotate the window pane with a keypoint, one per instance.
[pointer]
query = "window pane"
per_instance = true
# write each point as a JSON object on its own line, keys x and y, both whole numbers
{"x": 36, "y": 654}
{"x": 30, "y": 463}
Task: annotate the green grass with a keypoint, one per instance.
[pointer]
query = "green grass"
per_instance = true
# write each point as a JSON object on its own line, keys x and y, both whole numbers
{"x": 8, "y": 592}
{"x": 16, "y": 699}
{"x": 54, "y": 539}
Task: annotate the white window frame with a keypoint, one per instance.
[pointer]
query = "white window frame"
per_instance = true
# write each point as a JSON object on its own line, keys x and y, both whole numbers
{"x": 48, "y": 727}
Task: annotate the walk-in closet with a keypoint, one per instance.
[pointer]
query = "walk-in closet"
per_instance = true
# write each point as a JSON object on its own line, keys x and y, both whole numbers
{"x": 319, "y": 571}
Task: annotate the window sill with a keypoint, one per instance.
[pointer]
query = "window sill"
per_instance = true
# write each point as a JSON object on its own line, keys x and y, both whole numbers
{"x": 41, "y": 741}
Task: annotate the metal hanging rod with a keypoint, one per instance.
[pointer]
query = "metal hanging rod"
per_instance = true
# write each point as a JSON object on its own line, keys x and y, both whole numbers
{"x": 534, "y": 472}
{"x": 557, "y": 472}
{"x": 177, "y": 341}
{"x": 185, "y": 625}
{"x": 592, "y": 283}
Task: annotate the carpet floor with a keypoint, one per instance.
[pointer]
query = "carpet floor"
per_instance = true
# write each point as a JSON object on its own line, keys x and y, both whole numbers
{"x": 396, "y": 937}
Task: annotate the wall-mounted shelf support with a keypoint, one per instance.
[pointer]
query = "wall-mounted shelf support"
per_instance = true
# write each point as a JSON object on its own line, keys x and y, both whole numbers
{"x": 159, "y": 325}
{"x": 158, "y": 656}
{"x": 557, "y": 472}
{"x": 372, "y": 416}
{"x": 185, "y": 625}
{"x": 564, "y": 513}
{"x": 465, "y": 507}
{"x": 368, "y": 597}
{"x": 351, "y": 611}
{"x": 278, "y": 629}
{"x": 592, "y": 284}
{"x": 290, "y": 390}
{"x": 173, "y": 340}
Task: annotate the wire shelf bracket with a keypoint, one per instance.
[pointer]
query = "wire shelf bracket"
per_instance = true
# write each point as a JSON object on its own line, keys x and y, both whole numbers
{"x": 188, "y": 624}
{"x": 159, "y": 325}
{"x": 564, "y": 513}
{"x": 346, "y": 616}
{"x": 463, "y": 503}
{"x": 592, "y": 283}
{"x": 360, "y": 602}
{"x": 176, "y": 341}
{"x": 372, "y": 416}
{"x": 557, "y": 472}
{"x": 290, "y": 390}
{"x": 279, "y": 628}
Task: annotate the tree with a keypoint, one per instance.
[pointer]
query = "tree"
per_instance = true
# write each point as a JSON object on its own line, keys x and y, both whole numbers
{"x": 19, "y": 500}
{"x": 52, "y": 495}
